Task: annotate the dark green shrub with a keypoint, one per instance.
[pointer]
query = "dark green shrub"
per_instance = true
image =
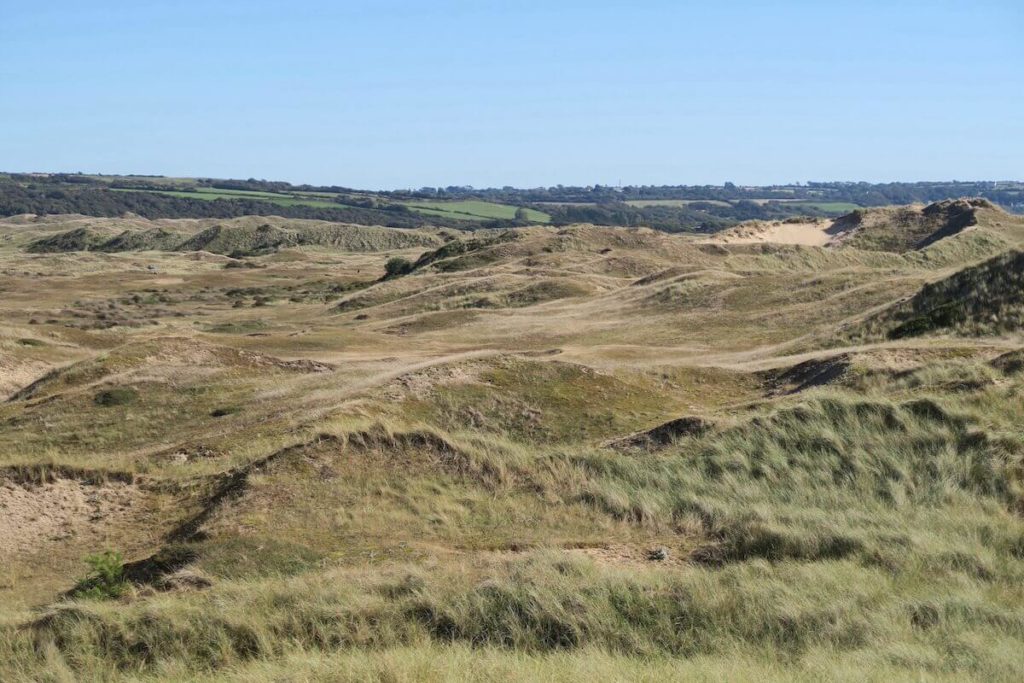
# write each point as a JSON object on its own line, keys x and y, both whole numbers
{"x": 397, "y": 266}
{"x": 118, "y": 396}
{"x": 224, "y": 411}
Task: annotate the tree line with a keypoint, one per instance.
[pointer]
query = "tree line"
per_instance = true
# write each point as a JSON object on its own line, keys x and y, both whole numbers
{"x": 56, "y": 198}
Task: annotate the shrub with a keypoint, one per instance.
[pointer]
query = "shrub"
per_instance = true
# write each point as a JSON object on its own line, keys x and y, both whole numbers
{"x": 118, "y": 396}
{"x": 106, "y": 579}
{"x": 224, "y": 411}
{"x": 397, "y": 266}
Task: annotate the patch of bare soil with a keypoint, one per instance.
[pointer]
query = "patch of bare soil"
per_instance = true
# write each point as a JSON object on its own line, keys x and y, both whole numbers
{"x": 14, "y": 374}
{"x": 420, "y": 383}
{"x": 675, "y": 552}
{"x": 193, "y": 352}
{"x": 36, "y": 517}
{"x": 633, "y": 555}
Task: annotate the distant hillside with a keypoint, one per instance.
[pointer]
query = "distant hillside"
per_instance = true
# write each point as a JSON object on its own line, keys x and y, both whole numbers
{"x": 670, "y": 208}
{"x": 239, "y": 237}
{"x": 44, "y": 198}
{"x": 156, "y": 239}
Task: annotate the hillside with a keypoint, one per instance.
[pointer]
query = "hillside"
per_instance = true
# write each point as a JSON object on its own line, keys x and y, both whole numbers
{"x": 306, "y": 450}
{"x": 703, "y": 209}
{"x": 241, "y": 236}
{"x": 903, "y": 229}
{"x": 888, "y": 229}
{"x": 978, "y": 300}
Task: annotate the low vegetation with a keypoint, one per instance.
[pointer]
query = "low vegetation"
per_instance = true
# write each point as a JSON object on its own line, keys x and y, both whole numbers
{"x": 106, "y": 580}
{"x": 237, "y": 240}
{"x": 671, "y": 208}
{"x": 978, "y": 300}
{"x": 556, "y": 453}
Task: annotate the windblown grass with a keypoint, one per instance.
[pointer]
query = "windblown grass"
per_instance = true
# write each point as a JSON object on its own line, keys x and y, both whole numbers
{"x": 421, "y": 491}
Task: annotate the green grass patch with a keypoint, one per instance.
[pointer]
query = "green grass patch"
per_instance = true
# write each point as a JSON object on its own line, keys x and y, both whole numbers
{"x": 237, "y": 327}
{"x": 212, "y": 194}
{"x": 675, "y": 202}
{"x": 475, "y": 210}
{"x": 826, "y": 207}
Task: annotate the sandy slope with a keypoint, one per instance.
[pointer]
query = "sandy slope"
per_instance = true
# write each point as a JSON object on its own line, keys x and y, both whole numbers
{"x": 810, "y": 234}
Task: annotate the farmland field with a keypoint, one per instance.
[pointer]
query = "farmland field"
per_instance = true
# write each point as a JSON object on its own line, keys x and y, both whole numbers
{"x": 469, "y": 210}
{"x": 475, "y": 209}
{"x": 674, "y": 202}
{"x": 827, "y": 207}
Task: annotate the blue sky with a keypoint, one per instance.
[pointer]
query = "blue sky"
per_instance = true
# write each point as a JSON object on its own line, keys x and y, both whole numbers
{"x": 403, "y": 94}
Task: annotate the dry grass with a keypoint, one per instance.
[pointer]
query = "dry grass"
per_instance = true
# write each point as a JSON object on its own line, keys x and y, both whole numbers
{"x": 355, "y": 478}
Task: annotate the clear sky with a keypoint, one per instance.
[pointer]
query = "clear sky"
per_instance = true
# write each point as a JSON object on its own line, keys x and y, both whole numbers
{"x": 390, "y": 94}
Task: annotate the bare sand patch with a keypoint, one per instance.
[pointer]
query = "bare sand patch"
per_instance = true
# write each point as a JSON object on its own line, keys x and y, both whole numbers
{"x": 36, "y": 516}
{"x": 811, "y": 234}
{"x": 15, "y": 374}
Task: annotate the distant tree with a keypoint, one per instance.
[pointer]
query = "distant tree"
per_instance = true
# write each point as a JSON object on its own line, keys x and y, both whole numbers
{"x": 522, "y": 215}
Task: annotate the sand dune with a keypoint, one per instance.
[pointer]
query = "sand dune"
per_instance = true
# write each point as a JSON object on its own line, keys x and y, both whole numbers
{"x": 814, "y": 233}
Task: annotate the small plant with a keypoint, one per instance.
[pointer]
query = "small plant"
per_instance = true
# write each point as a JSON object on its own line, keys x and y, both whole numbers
{"x": 118, "y": 396}
{"x": 106, "y": 580}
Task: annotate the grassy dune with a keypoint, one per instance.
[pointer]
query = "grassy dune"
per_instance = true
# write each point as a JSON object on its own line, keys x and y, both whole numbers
{"x": 475, "y": 209}
{"x": 575, "y": 454}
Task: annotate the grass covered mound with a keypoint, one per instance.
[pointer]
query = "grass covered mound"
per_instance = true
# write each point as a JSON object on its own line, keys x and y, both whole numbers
{"x": 239, "y": 238}
{"x": 840, "y": 534}
{"x": 902, "y": 229}
{"x": 983, "y": 299}
{"x": 78, "y": 239}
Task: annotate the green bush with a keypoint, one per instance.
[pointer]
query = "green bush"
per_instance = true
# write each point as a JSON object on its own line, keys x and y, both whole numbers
{"x": 106, "y": 580}
{"x": 397, "y": 266}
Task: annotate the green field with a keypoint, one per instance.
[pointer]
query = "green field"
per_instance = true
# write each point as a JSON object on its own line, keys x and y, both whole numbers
{"x": 828, "y": 207}
{"x": 675, "y": 202}
{"x": 210, "y": 194}
{"x": 462, "y": 210}
{"x": 170, "y": 181}
{"x": 474, "y": 209}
